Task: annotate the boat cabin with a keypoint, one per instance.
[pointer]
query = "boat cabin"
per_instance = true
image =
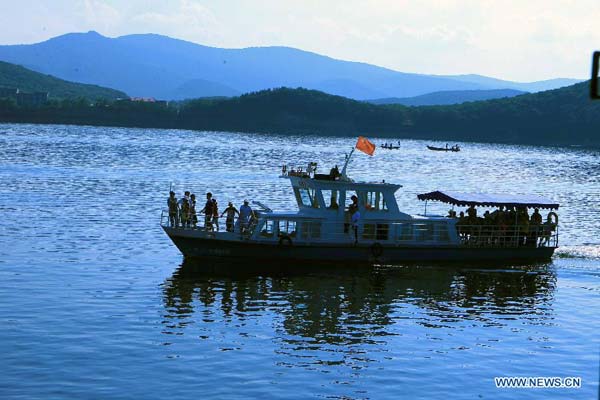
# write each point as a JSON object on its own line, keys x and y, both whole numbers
{"x": 326, "y": 226}
{"x": 331, "y": 198}
{"x": 324, "y": 217}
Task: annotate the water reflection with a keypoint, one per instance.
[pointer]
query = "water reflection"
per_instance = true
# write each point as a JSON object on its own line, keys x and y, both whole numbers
{"x": 345, "y": 306}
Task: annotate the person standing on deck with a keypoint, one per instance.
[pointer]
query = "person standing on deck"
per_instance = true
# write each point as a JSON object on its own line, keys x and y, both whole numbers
{"x": 185, "y": 214}
{"x": 193, "y": 215}
{"x": 229, "y": 220}
{"x": 535, "y": 225}
{"x": 355, "y": 221}
{"x": 245, "y": 215}
{"x": 186, "y": 197}
{"x": 215, "y": 216}
{"x": 184, "y": 207}
{"x": 172, "y": 204}
{"x": 352, "y": 208}
{"x": 472, "y": 213}
{"x": 208, "y": 212}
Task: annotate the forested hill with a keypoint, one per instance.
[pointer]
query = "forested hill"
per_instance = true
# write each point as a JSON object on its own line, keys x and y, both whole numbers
{"x": 558, "y": 117}
{"x": 18, "y": 77}
{"x": 561, "y": 116}
{"x": 450, "y": 97}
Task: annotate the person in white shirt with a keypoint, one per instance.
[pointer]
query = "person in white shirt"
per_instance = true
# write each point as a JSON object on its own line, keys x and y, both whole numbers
{"x": 245, "y": 216}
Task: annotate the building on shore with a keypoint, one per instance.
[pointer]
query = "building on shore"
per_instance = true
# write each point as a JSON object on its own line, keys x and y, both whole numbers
{"x": 8, "y": 93}
{"x": 152, "y": 100}
{"x": 35, "y": 99}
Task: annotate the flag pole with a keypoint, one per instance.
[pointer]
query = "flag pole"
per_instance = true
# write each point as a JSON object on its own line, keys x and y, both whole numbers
{"x": 346, "y": 163}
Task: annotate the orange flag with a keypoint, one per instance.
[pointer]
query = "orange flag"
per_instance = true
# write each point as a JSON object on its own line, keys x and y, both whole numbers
{"x": 363, "y": 144}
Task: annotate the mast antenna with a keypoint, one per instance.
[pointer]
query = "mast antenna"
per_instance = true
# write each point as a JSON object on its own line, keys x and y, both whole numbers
{"x": 348, "y": 156}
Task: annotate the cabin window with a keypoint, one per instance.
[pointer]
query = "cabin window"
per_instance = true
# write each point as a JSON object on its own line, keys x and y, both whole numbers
{"x": 376, "y": 231}
{"x": 383, "y": 231}
{"x": 424, "y": 232}
{"x": 405, "y": 232}
{"x": 369, "y": 231}
{"x": 311, "y": 230}
{"x": 287, "y": 228}
{"x": 307, "y": 197}
{"x": 442, "y": 232}
{"x": 268, "y": 229}
{"x": 374, "y": 201}
{"x": 332, "y": 199}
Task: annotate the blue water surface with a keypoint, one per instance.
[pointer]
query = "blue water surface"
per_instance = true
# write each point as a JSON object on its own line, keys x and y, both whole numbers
{"x": 95, "y": 301}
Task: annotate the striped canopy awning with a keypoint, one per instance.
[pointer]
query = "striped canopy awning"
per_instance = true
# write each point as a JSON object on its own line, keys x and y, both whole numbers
{"x": 489, "y": 200}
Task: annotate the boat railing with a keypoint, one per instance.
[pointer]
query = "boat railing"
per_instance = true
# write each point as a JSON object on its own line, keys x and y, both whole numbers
{"x": 543, "y": 235}
{"x": 197, "y": 224}
{"x": 442, "y": 232}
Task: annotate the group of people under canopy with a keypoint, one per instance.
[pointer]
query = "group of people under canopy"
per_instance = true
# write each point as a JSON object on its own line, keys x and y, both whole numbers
{"x": 508, "y": 224}
{"x": 183, "y": 213}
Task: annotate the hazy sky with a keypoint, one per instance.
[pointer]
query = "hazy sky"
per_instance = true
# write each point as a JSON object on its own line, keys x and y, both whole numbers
{"x": 517, "y": 40}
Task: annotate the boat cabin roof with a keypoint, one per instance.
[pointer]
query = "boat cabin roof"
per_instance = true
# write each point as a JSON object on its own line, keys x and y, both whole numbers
{"x": 489, "y": 200}
{"x": 290, "y": 215}
{"x": 298, "y": 181}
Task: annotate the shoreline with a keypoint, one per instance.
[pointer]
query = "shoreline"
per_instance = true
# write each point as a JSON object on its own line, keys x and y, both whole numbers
{"x": 425, "y": 137}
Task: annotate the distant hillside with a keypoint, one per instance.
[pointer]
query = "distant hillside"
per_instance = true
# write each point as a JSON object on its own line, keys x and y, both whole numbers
{"x": 196, "y": 88}
{"x": 450, "y": 97}
{"x": 157, "y": 66}
{"x": 560, "y": 116}
{"x": 15, "y": 76}
{"x": 536, "y": 86}
{"x": 563, "y": 116}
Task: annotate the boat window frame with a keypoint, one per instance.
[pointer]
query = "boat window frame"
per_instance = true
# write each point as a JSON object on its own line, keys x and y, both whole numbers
{"x": 312, "y": 197}
{"x": 327, "y": 195}
{"x": 264, "y": 229}
{"x": 376, "y": 230}
{"x": 424, "y": 231}
{"x": 311, "y": 229}
{"x": 374, "y": 200}
{"x": 287, "y": 223}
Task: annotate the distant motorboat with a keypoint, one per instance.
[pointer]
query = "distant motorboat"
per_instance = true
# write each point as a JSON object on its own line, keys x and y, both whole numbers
{"x": 453, "y": 148}
{"x": 390, "y": 146}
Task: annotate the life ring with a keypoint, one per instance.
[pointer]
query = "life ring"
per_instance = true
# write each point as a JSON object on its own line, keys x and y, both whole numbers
{"x": 553, "y": 218}
{"x": 285, "y": 241}
{"x": 376, "y": 249}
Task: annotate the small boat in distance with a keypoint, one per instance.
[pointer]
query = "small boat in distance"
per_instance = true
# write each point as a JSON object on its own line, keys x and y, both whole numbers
{"x": 454, "y": 148}
{"x": 390, "y": 146}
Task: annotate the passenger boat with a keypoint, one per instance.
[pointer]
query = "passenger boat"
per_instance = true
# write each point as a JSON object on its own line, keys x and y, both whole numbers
{"x": 320, "y": 230}
{"x": 454, "y": 149}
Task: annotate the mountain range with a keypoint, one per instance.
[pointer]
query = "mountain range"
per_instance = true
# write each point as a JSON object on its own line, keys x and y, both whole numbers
{"x": 149, "y": 65}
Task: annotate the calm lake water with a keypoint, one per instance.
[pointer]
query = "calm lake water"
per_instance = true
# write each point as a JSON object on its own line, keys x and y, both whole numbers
{"x": 95, "y": 301}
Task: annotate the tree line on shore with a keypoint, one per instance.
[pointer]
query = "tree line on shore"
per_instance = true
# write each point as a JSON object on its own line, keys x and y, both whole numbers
{"x": 563, "y": 116}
